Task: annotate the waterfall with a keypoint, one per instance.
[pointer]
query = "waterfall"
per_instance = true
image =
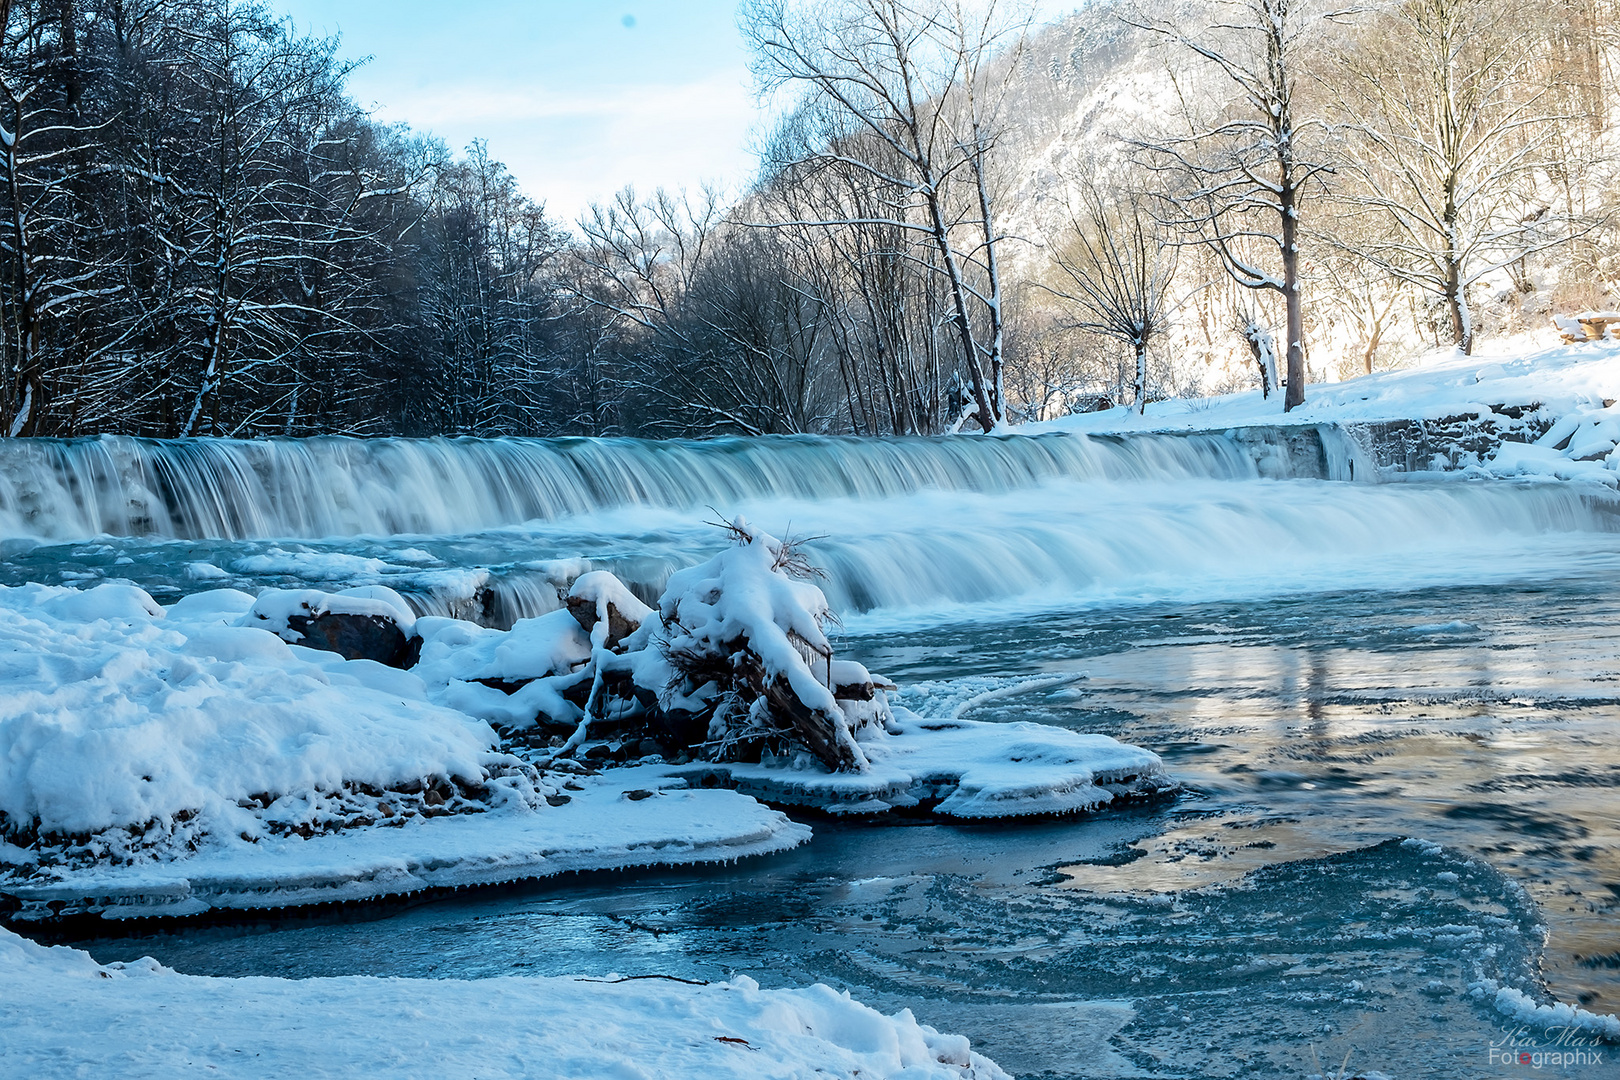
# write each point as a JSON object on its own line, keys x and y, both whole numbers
{"x": 491, "y": 529}
{"x": 238, "y": 489}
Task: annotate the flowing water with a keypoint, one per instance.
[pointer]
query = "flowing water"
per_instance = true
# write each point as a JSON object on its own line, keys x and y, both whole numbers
{"x": 1329, "y": 667}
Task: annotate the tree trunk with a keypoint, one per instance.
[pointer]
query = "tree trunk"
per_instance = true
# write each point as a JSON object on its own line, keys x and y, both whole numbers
{"x": 1462, "y": 325}
{"x": 1141, "y": 378}
{"x": 1294, "y": 301}
{"x": 964, "y": 325}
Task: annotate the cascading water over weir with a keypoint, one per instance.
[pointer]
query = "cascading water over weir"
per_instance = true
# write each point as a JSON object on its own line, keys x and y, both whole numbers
{"x": 236, "y": 489}
{"x": 899, "y": 524}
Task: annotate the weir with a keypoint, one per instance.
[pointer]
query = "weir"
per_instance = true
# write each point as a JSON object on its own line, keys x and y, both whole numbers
{"x": 239, "y": 489}
{"x": 486, "y": 529}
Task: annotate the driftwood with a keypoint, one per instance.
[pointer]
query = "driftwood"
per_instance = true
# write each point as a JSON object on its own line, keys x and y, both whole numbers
{"x": 820, "y": 732}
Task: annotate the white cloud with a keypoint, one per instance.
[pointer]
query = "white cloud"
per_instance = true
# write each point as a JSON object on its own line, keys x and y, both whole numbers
{"x": 570, "y": 148}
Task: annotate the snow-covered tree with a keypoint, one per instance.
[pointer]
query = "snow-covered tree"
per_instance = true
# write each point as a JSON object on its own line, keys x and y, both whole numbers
{"x": 915, "y": 82}
{"x": 1456, "y": 126}
{"x": 1239, "y": 181}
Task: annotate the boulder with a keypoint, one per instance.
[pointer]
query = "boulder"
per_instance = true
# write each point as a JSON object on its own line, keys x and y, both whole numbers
{"x": 355, "y": 637}
{"x": 598, "y": 597}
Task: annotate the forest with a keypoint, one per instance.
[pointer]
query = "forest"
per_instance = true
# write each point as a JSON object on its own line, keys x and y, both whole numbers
{"x": 961, "y": 220}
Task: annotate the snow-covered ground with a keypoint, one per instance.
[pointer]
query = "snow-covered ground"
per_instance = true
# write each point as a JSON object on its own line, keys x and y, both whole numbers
{"x": 1577, "y": 387}
{"x": 143, "y": 1020}
{"x": 1564, "y": 377}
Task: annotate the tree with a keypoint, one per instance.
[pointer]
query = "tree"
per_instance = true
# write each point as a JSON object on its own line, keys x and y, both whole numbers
{"x": 724, "y": 337}
{"x": 1119, "y": 267}
{"x": 1241, "y": 182}
{"x": 914, "y": 80}
{"x": 1456, "y": 124}
{"x": 51, "y": 270}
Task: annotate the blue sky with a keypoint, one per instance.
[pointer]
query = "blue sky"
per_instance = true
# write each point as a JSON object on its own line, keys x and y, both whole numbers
{"x": 578, "y": 99}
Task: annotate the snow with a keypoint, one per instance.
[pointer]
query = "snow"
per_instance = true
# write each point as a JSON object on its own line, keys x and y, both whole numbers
{"x": 957, "y": 768}
{"x": 169, "y": 761}
{"x": 739, "y": 596}
{"x": 600, "y": 828}
{"x": 549, "y": 650}
{"x": 1576, "y": 386}
{"x": 273, "y": 607}
{"x": 178, "y": 756}
{"x": 143, "y": 1020}
{"x": 115, "y": 714}
{"x": 1519, "y": 1006}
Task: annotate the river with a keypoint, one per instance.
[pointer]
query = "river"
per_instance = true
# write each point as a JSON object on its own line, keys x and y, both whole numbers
{"x": 1330, "y": 668}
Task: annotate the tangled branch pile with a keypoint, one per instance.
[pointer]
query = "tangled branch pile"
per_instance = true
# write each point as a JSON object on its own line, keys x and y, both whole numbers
{"x": 733, "y": 665}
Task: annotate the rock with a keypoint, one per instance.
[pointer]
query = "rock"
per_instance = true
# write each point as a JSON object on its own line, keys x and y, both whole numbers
{"x": 559, "y": 800}
{"x": 355, "y": 637}
{"x": 638, "y": 794}
{"x": 599, "y": 595}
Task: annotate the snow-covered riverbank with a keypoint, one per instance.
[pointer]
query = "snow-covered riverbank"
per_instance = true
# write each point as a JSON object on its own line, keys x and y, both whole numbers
{"x": 143, "y": 1020}
{"x": 1523, "y": 410}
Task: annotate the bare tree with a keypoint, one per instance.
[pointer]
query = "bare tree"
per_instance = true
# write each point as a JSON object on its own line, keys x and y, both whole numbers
{"x": 1240, "y": 183}
{"x": 913, "y": 78}
{"x": 1119, "y": 268}
{"x": 878, "y": 284}
{"x": 1457, "y": 124}
{"x": 724, "y": 338}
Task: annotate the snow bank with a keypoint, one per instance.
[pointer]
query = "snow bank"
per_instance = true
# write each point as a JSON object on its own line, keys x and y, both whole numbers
{"x": 175, "y": 760}
{"x": 1444, "y": 384}
{"x": 1561, "y": 418}
{"x": 631, "y": 817}
{"x": 160, "y": 761}
{"x": 515, "y": 678}
{"x": 78, "y": 1016}
{"x": 115, "y": 715}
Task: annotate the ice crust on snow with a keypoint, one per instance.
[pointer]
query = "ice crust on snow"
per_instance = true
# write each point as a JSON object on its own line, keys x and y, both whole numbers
{"x": 154, "y": 1022}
